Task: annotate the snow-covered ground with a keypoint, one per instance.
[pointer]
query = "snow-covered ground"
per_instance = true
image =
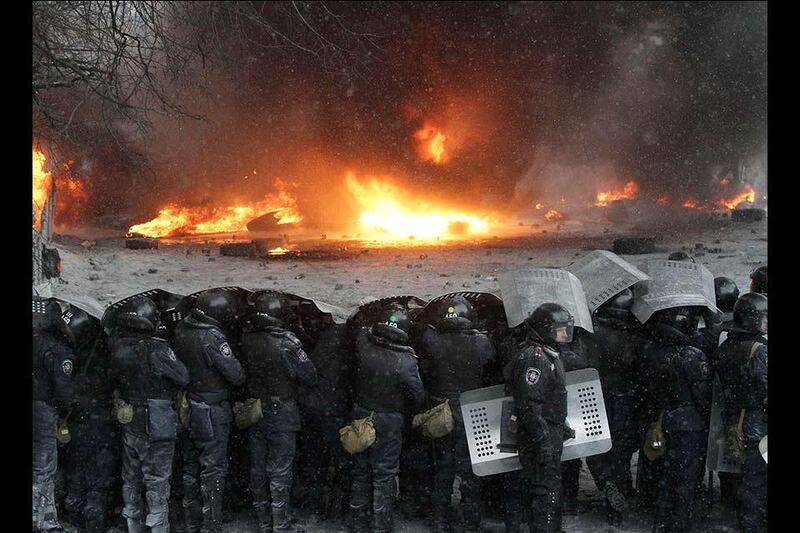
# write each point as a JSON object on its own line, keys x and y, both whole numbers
{"x": 107, "y": 272}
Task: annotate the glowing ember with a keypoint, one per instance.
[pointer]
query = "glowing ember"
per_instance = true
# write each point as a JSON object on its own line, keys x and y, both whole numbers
{"x": 390, "y": 214}
{"x": 431, "y": 144}
{"x": 629, "y": 192}
{"x": 176, "y": 220}
{"x": 553, "y": 215}
{"x": 690, "y": 203}
{"x": 539, "y": 207}
{"x": 746, "y": 196}
{"x": 279, "y": 251}
{"x": 41, "y": 185}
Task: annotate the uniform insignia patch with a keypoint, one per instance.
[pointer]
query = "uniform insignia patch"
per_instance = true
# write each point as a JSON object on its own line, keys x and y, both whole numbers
{"x": 537, "y": 351}
{"x": 66, "y": 366}
{"x": 704, "y": 370}
{"x": 225, "y": 349}
{"x": 301, "y": 354}
{"x": 532, "y": 375}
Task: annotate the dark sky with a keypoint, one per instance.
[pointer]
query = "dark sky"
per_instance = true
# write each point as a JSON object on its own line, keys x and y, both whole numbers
{"x": 538, "y": 100}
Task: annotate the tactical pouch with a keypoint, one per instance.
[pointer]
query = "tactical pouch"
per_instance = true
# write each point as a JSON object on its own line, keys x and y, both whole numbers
{"x": 735, "y": 440}
{"x": 200, "y": 427}
{"x": 655, "y": 445}
{"x": 509, "y": 427}
{"x": 183, "y": 409}
{"x": 248, "y": 413}
{"x": 161, "y": 420}
{"x": 62, "y": 433}
{"x": 121, "y": 411}
{"x": 436, "y": 422}
{"x": 358, "y": 435}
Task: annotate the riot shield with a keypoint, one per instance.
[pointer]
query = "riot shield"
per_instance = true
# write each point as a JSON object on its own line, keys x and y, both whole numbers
{"x": 604, "y": 274}
{"x": 717, "y": 459}
{"x": 673, "y": 284}
{"x": 365, "y": 315}
{"x": 763, "y": 447}
{"x": 482, "y": 410}
{"x": 525, "y": 290}
{"x": 165, "y": 301}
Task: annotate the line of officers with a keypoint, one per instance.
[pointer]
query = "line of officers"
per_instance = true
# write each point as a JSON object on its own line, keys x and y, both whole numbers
{"x": 656, "y": 374}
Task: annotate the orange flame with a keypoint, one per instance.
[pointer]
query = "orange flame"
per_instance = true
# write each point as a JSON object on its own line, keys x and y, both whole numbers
{"x": 431, "y": 144}
{"x": 628, "y": 192}
{"x": 391, "y": 214}
{"x": 690, "y": 203}
{"x": 746, "y": 196}
{"x": 553, "y": 215}
{"x": 42, "y": 183}
{"x": 279, "y": 251}
{"x": 176, "y": 220}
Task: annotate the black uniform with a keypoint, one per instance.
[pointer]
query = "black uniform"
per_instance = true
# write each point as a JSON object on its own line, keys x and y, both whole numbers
{"x": 679, "y": 384}
{"x": 205, "y": 351}
{"x": 92, "y": 456}
{"x": 275, "y": 364}
{"x": 616, "y": 353}
{"x": 53, "y": 364}
{"x": 324, "y": 409}
{"x": 456, "y": 354}
{"x": 535, "y": 378}
{"x": 386, "y": 373}
{"x": 742, "y": 369}
{"x": 147, "y": 374}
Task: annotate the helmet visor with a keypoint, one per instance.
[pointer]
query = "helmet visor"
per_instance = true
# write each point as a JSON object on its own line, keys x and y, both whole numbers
{"x": 562, "y": 332}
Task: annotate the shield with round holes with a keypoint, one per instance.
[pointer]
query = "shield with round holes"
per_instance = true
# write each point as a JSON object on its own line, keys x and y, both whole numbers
{"x": 603, "y": 274}
{"x": 482, "y": 410}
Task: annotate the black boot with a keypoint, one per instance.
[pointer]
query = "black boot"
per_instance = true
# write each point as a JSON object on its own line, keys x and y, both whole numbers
{"x": 213, "y": 493}
{"x": 383, "y": 506}
{"x": 264, "y": 514}
{"x": 360, "y": 521}
{"x": 439, "y": 521}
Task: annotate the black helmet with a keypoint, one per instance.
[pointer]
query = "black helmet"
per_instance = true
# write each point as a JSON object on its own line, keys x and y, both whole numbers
{"x": 140, "y": 314}
{"x": 270, "y": 309}
{"x": 77, "y": 327}
{"x": 680, "y": 256}
{"x": 551, "y": 323}
{"x": 758, "y": 280}
{"x": 453, "y": 308}
{"x": 45, "y": 312}
{"x": 683, "y": 320}
{"x": 396, "y": 316}
{"x": 217, "y": 305}
{"x": 750, "y": 312}
{"x": 726, "y": 293}
{"x": 618, "y": 307}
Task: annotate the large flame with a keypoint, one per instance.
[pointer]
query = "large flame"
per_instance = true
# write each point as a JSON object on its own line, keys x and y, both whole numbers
{"x": 42, "y": 183}
{"x": 628, "y": 192}
{"x": 391, "y": 215}
{"x": 746, "y": 196}
{"x": 553, "y": 215}
{"x": 173, "y": 220}
{"x": 431, "y": 144}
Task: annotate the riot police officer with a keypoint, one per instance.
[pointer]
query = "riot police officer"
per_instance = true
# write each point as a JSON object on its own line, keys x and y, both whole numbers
{"x": 91, "y": 456}
{"x": 758, "y": 280}
{"x": 200, "y": 343}
{"x": 146, "y": 374}
{"x": 742, "y": 369}
{"x": 456, "y": 353}
{"x": 726, "y": 293}
{"x": 615, "y": 350}
{"x": 275, "y": 364}
{"x": 385, "y": 374}
{"x": 53, "y": 365}
{"x": 535, "y": 378}
{"x": 679, "y": 382}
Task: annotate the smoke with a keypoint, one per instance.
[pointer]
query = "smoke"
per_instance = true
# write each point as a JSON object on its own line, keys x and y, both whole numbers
{"x": 538, "y": 100}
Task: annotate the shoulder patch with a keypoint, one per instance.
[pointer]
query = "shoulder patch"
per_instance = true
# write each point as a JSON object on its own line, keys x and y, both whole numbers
{"x": 538, "y": 351}
{"x": 171, "y": 355}
{"x": 67, "y": 367}
{"x": 225, "y": 348}
{"x": 301, "y": 354}
{"x": 532, "y": 375}
{"x": 704, "y": 369}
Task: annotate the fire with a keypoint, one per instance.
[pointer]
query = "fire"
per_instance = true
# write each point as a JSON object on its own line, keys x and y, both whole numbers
{"x": 746, "y": 196}
{"x": 539, "y": 207}
{"x": 628, "y": 192}
{"x": 690, "y": 203}
{"x": 279, "y": 251}
{"x": 176, "y": 220}
{"x": 553, "y": 215}
{"x": 431, "y": 144}
{"x": 42, "y": 183}
{"x": 390, "y": 214}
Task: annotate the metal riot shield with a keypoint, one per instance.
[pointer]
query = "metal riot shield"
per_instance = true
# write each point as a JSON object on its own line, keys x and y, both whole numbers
{"x": 604, "y": 274}
{"x": 165, "y": 301}
{"x": 312, "y": 316}
{"x": 525, "y": 290}
{"x": 586, "y": 415}
{"x": 366, "y": 314}
{"x": 673, "y": 284}
{"x": 717, "y": 459}
{"x": 763, "y": 447}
